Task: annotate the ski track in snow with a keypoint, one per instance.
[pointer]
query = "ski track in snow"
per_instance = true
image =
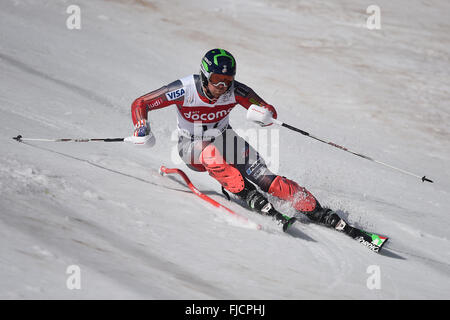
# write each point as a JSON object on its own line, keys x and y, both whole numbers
{"x": 135, "y": 234}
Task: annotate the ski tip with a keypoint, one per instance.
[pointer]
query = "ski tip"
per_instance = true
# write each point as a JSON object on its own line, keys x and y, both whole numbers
{"x": 373, "y": 241}
{"x": 384, "y": 239}
{"x": 379, "y": 243}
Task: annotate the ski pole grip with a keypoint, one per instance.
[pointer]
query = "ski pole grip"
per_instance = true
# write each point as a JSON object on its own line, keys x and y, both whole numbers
{"x": 424, "y": 178}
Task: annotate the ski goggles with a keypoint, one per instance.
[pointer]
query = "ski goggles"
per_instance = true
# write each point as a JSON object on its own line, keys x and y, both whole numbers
{"x": 221, "y": 80}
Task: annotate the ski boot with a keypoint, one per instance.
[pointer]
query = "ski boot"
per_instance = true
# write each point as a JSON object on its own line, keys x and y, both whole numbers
{"x": 259, "y": 203}
{"x": 328, "y": 218}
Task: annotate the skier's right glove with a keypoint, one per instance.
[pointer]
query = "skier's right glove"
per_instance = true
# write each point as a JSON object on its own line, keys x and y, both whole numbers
{"x": 142, "y": 134}
{"x": 141, "y": 128}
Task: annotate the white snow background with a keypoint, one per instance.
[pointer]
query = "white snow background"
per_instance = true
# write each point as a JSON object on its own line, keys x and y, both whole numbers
{"x": 137, "y": 235}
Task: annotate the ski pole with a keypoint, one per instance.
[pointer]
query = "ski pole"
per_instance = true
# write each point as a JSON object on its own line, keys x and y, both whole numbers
{"x": 146, "y": 140}
{"x": 263, "y": 116}
{"x": 19, "y": 138}
{"x": 424, "y": 178}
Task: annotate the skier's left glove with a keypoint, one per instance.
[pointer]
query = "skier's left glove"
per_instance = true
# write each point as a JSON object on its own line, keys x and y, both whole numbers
{"x": 271, "y": 108}
{"x": 262, "y": 115}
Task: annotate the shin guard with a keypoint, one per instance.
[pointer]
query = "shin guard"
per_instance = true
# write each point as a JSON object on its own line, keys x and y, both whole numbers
{"x": 228, "y": 176}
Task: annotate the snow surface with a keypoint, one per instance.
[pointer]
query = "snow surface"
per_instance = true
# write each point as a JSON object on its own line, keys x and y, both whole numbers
{"x": 135, "y": 234}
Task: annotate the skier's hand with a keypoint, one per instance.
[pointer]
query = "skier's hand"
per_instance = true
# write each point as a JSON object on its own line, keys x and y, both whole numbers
{"x": 141, "y": 128}
{"x": 142, "y": 134}
{"x": 271, "y": 108}
{"x": 262, "y": 115}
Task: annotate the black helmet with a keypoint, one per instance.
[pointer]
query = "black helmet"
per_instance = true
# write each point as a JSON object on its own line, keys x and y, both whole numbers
{"x": 217, "y": 61}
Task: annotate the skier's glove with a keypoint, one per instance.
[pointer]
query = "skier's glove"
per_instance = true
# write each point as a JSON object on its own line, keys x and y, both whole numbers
{"x": 142, "y": 134}
{"x": 271, "y": 108}
{"x": 141, "y": 128}
{"x": 262, "y": 115}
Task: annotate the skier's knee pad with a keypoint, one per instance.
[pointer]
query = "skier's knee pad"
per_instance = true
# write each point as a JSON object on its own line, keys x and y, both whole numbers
{"x": 228, "y": 176}
{"x": 285, "y": 189}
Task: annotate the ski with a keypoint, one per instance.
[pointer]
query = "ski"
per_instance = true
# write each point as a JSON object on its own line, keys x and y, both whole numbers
{"x": 373, "y": 241}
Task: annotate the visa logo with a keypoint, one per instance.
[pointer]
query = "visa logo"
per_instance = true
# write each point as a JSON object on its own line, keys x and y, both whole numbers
{"x": 175, "y": 94}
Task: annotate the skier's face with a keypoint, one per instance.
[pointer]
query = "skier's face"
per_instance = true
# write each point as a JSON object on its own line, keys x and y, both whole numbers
{"x": 219, "y": 83}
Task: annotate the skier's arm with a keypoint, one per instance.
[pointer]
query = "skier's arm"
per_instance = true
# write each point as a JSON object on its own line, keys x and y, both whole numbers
{"x": 154, "y": 100}
{"x": 245, "y": 96}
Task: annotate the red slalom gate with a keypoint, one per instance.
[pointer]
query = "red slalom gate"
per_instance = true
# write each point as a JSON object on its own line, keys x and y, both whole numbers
{"x": 163, "y": 170}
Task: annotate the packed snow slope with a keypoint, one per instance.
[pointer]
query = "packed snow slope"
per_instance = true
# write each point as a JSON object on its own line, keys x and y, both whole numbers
{"x": 134, "y": 234}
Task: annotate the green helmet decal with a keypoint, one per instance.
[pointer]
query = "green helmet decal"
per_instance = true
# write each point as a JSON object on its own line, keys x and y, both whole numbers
{"x": 223, "y": 54}
{"x": 205, "y": 65}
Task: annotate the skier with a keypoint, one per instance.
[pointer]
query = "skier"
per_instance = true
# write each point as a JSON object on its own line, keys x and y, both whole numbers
{"x": 204, "y": 102}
